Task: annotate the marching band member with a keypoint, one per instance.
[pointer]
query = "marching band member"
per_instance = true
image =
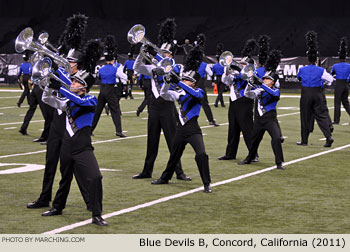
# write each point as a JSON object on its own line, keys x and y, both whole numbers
{"x": 129, "y": 70}
{"x": 108, "y": 75}
{"x": 218, "y": 71}
{"x": 204, "y": 70}
{"x": 188, "y": 130}
{"x": 341, "y": 91}
{"x": 240, "y": 113}
{"x": 266, "y": 120}
{"x": 161, "y": 113}
{"x": 72, "y": 38}
{"x": 77, "y": 151}
{"x": 312, "y": 97}
{"x": 25, "y": 70}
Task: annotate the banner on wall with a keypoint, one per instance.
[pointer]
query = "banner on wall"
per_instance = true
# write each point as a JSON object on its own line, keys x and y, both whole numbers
{"x": 288, "y": 68}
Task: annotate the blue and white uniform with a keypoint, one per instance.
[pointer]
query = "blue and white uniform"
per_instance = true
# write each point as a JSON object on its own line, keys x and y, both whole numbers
{"x": 312, "y": 103}
{"x": 341, "y": 90}
{"x": 218, "y": 71}
{"x": 187, "y": 131}
{"x": 266, "y": 120}
{"x": 77, "y": 152}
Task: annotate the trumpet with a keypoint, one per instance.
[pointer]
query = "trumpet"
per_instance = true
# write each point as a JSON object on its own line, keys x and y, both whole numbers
{"x": 25, "y": 41}
{"x": 42, "y": 72}
{"x": 226, "y": 60}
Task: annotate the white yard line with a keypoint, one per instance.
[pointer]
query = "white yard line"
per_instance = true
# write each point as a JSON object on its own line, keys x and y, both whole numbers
{"x": 182, "y": 194}
{"x": 9, "y": 97}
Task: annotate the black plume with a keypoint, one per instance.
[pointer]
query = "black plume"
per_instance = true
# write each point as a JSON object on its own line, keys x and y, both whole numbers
{"x": 273, "y": 60}
{"x": 167, "y": 31}
{"x": 264, "y": 47}
{"x": 91, "y": 54}
{"x": 201, "y": 40}
{"x": 343, "y": 48}
{"x": 110, "y": 46}
{"x": 193, "y": 59}
{"x": 74, "y": 34}
{"x": 249, "y": 48}
{"x": 311, "y": 46}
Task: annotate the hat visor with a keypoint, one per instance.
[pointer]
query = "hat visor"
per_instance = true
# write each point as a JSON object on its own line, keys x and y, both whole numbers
{"x": 166, "y": 51}
{"x": 188, "y": 78}
{"x": 268, "y": 77}
{"x": 80, "y": 80}
{"x": 71, "y": 59}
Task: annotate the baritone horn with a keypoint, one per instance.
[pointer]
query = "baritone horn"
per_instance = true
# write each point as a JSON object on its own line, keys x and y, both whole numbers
{"x": 25, "y": 41}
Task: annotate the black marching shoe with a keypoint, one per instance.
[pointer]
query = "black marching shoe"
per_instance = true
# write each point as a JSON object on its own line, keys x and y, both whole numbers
{"x": 159, "y": 182}
{"x": 243, "y": 162}
{"x": 98, "y": 220}
{"x": 226, "y": 158}
{"x": 336, "y": 123}
{"x": 301, "y": 143}
{"x": 184, "y": 177}
{"x": 18, "y": 104}
{"x": 214, "y": 123}
{"x": 138, "y": 112}
{"x": 280, "y": 167}
{"x": 53, "y": 211}
{"x": 329, "y": 142}
{"x": 39, "y": 140}
{"x": 23, "y": 132}
{"x": 141, "y": 176}
{"x": 207, "y": 189}
{"x": 120, "y": 134}
{"x": 215, "y": 105}
{"x": 37, "y": 204}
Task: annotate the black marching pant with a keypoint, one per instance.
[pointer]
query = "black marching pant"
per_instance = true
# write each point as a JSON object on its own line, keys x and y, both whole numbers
{"x": 189, "y": 133}
{"x": 53, "y": 148}
{"x": 161, "y": 116}
{"x": 312, "y": 105}
{"x": 341, "y": 94}
{"x": 268, "y": 122}
{"x": 26, "y": 92}
{"x": 240, "y": 118}
{"x": 108, "y": 95}
{"x": 205, "y": 104}
{"x": 85, "y": 165}
{"x": 148, "y": 93}
{"x": 129, "y": 86}
{"x": 46, "y": 110}
{"x": 221, "y": 88}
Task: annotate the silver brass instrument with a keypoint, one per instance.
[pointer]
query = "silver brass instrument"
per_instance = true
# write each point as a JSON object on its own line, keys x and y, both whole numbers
{"x": 25, "y": 41}
{"x": 137, "y": 35}
{"x": 248, "y": 74}
{"x": 226, "y": 60}
{"x": 42, "y": 71}
{"x": 43, "y": 39}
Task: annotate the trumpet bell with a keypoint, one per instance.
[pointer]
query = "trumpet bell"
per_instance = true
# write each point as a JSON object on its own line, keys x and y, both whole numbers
{"x": 41, "y": 69}
{"x": 226, "y": 58}
{"x": 167, "y": 64}
{"x": 43, "y": 38}
{"x": 24, "y": 39}
{"x": 136, "y": 34}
